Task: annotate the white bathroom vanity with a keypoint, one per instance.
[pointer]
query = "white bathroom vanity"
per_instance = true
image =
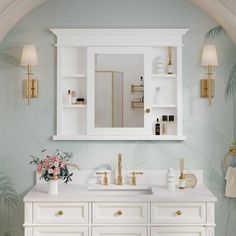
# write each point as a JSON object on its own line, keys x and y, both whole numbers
{"x": 86, "y": 208}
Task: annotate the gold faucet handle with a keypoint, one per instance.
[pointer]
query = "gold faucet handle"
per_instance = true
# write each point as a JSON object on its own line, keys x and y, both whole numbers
{"x": 133, "y": 177}
{"x": 105, "y": 178}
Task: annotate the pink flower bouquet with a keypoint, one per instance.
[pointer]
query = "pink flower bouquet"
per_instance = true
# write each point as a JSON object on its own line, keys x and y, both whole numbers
{"x": 54, "y": 167}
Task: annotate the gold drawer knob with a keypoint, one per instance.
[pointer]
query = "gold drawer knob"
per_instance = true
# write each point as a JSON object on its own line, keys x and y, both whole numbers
{"x": 147, "y": 110}
{"x": 119, "y": 213}
{"x": 60, "y": 213}
{"x": 178, "y": 213}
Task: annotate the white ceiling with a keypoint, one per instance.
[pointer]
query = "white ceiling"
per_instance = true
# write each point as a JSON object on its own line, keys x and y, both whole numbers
{"x": 222, "y": 11}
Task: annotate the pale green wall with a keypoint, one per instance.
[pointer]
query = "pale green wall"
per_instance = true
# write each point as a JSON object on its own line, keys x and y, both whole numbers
{"x": 27, "y": 129}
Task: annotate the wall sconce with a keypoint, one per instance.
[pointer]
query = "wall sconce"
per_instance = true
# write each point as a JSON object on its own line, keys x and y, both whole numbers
{"x": 209, "y": 59}
{"x": 29, "y": 58}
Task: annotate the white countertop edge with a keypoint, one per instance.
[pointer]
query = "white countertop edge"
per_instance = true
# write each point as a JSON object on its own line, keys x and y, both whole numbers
{"x": 80, "y": 193}
{"x": 130, "y": 225}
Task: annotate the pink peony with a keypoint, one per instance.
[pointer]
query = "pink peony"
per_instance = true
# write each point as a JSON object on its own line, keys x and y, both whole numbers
{"x": 56, "y": 171}
{"x": 62, "y": 164}
{"x": 39, "y": 168}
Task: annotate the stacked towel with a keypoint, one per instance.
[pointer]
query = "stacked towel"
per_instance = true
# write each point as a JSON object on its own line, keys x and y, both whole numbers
{"x": 230, "y": 190}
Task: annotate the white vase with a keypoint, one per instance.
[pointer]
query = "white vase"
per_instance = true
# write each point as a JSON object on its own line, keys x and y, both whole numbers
{"x": 53, "y": 187}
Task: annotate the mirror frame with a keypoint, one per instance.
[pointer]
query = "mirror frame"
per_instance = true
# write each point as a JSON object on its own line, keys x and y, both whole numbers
{"x": 91, "y": 55}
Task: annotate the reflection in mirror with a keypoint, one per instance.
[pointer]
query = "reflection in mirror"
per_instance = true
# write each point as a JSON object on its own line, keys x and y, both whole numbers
{"x": 119, "y": 91}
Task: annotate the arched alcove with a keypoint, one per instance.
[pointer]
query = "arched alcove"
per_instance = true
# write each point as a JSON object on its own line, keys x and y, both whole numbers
{"x": 11, "y": 11}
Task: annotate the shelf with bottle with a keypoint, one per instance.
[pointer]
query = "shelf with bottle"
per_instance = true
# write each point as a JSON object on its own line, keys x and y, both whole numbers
{"x": 137, "y": 104}
{"x": 137, "y": 88}
{"x": 73, "y": 76}
{"x": 74, "y": 106}
{"x": 163, "y": 106}
{"x": 70, "y": 100}
{"x": 165, "y": 125}
{"x": 164, "y": 62}
{"x": 163, "y": 75}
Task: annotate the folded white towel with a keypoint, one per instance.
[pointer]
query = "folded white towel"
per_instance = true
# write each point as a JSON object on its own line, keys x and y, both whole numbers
{"x": 230, "y": 190}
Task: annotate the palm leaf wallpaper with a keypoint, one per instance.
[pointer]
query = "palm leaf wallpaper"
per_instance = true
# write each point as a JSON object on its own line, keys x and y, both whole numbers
{"x": 9, "y": 203}
{"x": 211, "y": 35}
{"x": 25, "y": 130}
{"x": 214, "y": 33}
{"x": 230, "y": 88}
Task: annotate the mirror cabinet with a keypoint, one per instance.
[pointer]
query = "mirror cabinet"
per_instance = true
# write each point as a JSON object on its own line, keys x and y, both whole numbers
{"x": 119, "y": 84}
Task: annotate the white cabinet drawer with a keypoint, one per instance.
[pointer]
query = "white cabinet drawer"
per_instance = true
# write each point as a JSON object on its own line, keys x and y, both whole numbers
{"x": 62, "y": 231}
{"x": 60, "y": 213}
{"x": 118, "y": 212}
{"x": 171, "y": 213}
{"x": 178, "y": 231}
{"x": 119, "y": 231}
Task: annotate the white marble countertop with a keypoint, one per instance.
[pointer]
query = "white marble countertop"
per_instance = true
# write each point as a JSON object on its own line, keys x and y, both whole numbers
{"x": 80, "y": 193}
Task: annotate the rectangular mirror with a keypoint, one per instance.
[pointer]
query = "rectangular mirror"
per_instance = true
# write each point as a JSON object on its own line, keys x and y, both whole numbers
{"x": 119, "y": 90}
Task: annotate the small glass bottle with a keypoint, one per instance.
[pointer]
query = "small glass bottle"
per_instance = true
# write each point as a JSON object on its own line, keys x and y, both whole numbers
{"x": 182, "y": 182}
{"x": 157, "y": 128}
{"x": 141, "y": 81}
{"x": 164, "y": 124}
{"x": 160, "y": 68}
{"x": 170, "y": 68}
{"x": 69, "y": 96}
{"x": 73, "y": 97}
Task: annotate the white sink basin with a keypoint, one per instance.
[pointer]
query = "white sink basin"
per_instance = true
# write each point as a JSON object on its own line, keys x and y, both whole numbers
{"x": 120, "y": 189}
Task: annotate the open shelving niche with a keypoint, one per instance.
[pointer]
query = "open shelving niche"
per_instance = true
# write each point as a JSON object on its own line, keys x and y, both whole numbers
{"x": 166, "y": 91}
{"x": 72, "y": 118}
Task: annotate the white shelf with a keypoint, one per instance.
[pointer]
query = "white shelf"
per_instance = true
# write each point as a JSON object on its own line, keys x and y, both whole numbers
{"x": 164, "y": 106}
{"x": 74, "y": 106}
{"x": 74, "y": 76}
{"x": 121, "y": 137}
{"x": 164, "y": 75}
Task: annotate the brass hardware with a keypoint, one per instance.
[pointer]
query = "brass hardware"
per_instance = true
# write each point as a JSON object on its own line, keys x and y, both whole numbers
{"x": 133, "y": 177}
{"x": 119, "y": 178}
{"x": 178, "y": 213}
{"x": 137, "y": 88}
{"x": 119, "y": 213}
{"x": 205, "y": 90}
{"x": 208, "y": 86}
{"x": 105, "y": 178}
{"x": 137, "y": 104}
{"x": 147, "y": 110}
{"x": 31, "y": 88}
{"x": 60, "y": 213}
{"x": 29, "y": 58}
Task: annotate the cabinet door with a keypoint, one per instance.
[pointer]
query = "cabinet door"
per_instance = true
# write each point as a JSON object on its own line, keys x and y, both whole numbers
{"x": 119, "y": 231}
{"x": 62, "y": 231}
{"x": 118, "y": 90}
{"x": 178, "y": 231}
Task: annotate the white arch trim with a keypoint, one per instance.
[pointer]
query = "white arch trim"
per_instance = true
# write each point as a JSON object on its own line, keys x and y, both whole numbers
{"x": 11, "y": 11}
{"x": 221, "y": 14}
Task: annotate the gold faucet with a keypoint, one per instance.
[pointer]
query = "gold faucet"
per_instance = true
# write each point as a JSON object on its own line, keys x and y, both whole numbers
{"x": 105, "y": 178}
{"x": 119, "y": 178}
{"x": 133, "y": 177}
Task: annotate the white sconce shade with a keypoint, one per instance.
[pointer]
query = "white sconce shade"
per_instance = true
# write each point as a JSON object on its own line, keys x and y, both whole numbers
{"x": 29, "y": 55}
{"x": 209, "y": 55}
